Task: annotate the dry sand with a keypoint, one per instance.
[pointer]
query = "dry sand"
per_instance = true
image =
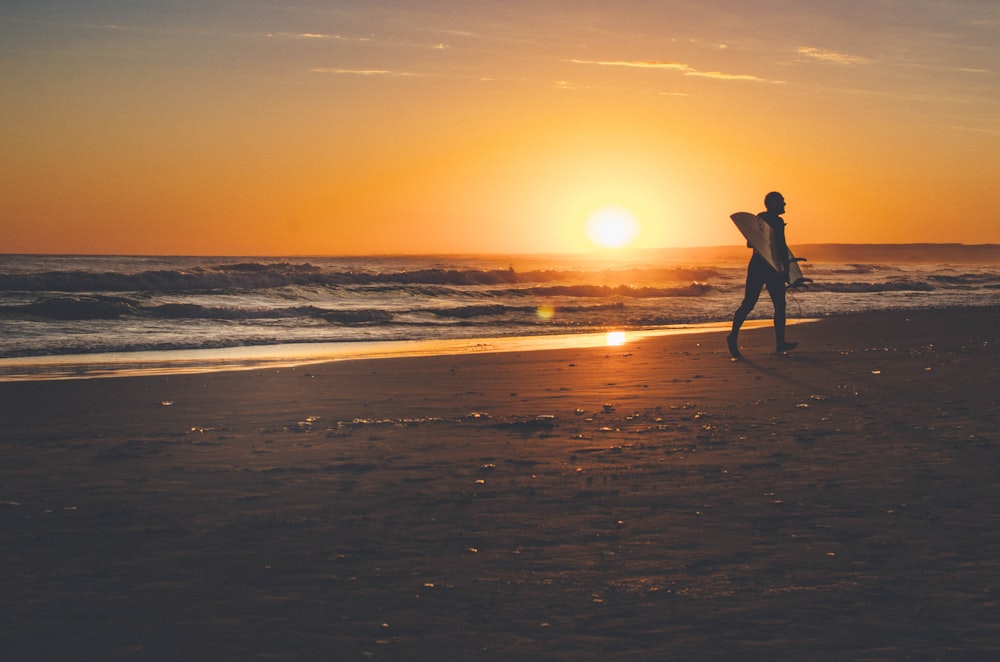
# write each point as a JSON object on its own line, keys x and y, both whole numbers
{"x": 651, "y": 501}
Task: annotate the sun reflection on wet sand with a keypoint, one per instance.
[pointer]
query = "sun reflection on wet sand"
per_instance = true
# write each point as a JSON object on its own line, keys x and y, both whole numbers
{"x": 129, "y": 364}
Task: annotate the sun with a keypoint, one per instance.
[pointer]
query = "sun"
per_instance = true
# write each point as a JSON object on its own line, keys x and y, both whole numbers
{"x": 612, "y": 227}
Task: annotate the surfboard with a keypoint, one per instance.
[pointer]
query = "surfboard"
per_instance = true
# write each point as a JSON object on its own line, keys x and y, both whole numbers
{"x": 758, "y": 234}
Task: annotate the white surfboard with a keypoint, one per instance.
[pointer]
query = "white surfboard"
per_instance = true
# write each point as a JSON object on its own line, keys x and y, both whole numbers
{"x": 759, "y": 235}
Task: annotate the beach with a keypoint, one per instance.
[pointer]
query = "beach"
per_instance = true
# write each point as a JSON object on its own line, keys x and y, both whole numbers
{"x": 654, "y": 500}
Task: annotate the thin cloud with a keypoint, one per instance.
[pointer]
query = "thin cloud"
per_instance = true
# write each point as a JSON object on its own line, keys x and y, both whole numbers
{"x": 683, "y": 69}
{"x": 319, "y": 36}
{"x": 569, "y": 85}
{"x": 983, "y": 130}
{"x": 832, "y": 57}
{"x": 719, "y": 75}
{"x": 365, "y": 72}
{"x": 641, "y": 64}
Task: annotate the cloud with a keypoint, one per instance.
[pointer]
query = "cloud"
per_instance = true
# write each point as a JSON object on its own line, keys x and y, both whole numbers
{"x": 569, "y": 85}
{"x": 684, "y": 69}
{"x": 316, "y": 36}
{"x": 718, "y": 75}
{"x": 984, "y": 130}
{"x": 641, "y": 64}
{"x": 832, "y": 57}
{"x": 365, "y": 72}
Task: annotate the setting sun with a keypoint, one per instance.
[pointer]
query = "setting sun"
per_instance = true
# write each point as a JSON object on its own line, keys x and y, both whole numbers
{"x": 612, "y": 227}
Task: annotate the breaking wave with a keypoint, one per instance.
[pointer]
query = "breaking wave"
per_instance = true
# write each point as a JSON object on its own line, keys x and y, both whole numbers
{"x": 112, "y": 308}
{"x": 265, "y": 275}
{"x": 862, "y": 287}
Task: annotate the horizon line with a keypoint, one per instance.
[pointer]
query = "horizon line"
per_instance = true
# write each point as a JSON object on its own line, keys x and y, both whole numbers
{"x": 623, "y": 253}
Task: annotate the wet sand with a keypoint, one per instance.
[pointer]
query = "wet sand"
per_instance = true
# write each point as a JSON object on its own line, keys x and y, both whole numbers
{"x": 650, "y": 501}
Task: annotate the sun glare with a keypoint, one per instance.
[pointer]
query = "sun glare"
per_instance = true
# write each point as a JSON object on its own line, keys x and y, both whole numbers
{"x": 616, "y": 338}
{"x": 612, "y": 227}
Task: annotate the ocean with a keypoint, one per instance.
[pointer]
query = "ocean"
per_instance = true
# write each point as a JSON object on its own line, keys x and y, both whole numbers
{"x": 63, "y": 315}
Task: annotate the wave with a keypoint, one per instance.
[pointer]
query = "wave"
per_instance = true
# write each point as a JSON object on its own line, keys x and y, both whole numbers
{"x": 692, "y": 290}
{"x": 469, "y": 312}
{"x": 352, "y": 317}
{"x": 111, "y": 308}
{"x": 267, "y": 275}
{"x": 195, "y": 311}
{"x": 78, "y": 308}
{"x": 103, "y": 307}
{"x": 498, "y": 310}
{"x": 237, "y": 277}
{"x": 857, "y": 269}
{"x": 865, "y": 287}
{"x": 989, "y": 280}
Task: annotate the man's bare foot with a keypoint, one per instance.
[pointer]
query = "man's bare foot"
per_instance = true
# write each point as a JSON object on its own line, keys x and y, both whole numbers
{"x": 734, "y": 346}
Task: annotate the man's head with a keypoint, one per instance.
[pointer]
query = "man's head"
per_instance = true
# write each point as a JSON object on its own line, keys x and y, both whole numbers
{"x": 775, "y": 202}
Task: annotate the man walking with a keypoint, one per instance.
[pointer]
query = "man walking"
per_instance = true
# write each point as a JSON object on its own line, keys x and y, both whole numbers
{"x": 760, "y": 274}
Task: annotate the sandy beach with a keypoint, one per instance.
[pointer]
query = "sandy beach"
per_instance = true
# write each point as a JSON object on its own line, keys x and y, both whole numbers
{"x": 655, "y": 501}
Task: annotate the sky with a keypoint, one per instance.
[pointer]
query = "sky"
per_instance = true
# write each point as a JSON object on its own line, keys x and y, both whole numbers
{"x": 273, "y": 127}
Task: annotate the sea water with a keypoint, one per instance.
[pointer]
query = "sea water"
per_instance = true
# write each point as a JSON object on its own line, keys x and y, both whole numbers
{"x": 117, "y": 306}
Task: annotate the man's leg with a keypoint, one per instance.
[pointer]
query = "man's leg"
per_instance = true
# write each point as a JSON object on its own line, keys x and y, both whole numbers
{"x": 751, "y": 295}
{"x": 776, "y": 290}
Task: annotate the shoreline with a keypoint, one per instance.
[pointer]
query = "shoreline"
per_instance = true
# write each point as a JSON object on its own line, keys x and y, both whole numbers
{"x": 258, "y": 357}
{"x": 288, "y": 355}
{"x": 649, "y": 501}
{"x": 125, "y": 308}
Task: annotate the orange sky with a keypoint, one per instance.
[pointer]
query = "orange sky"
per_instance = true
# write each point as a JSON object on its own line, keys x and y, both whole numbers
{"x": 417, "y": 127}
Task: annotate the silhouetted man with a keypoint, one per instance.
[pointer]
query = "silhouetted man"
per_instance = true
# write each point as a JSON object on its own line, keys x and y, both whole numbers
{"x": 760, "y": 273}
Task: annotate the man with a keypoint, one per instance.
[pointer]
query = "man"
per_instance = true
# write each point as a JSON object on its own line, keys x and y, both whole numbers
{"x": 760, "y": 273}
